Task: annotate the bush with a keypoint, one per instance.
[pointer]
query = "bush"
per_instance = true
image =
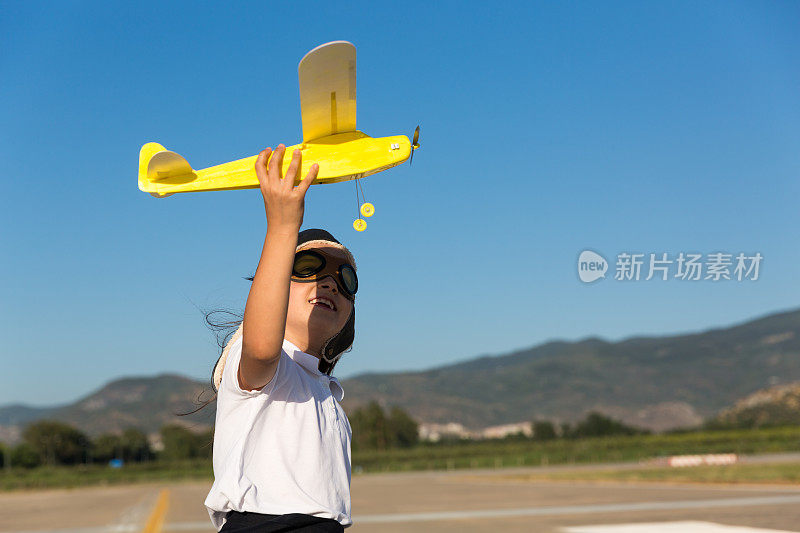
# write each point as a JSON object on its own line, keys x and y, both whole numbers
{"x": 374, "y": 430}
{"x": 403, "y": 430}
{"x": 598, "y": 425}
{"x": 106, "y": 447}
{"x": 180, "y": 443}
{"x": 544, "y": 430}
{"x": 57, "y": 443}
{"x": 135, "y": 446}
{"x": 26, "y": 456}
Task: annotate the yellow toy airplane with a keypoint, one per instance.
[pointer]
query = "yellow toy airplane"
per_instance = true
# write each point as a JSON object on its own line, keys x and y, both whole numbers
{"x": 328, "y": 108}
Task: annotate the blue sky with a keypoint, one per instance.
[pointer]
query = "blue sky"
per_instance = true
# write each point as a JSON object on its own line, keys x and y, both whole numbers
{"x": 547, "y": 129}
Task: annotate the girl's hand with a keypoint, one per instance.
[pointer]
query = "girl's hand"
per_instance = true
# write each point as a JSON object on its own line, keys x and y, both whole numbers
{"x": 283, "y": 202}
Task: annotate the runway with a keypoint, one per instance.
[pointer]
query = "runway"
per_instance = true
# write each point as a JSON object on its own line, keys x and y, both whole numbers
{"x": 463, "y": 501}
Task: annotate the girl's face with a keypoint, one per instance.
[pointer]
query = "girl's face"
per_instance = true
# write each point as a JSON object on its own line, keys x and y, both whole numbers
{"x": 317, "y": 309}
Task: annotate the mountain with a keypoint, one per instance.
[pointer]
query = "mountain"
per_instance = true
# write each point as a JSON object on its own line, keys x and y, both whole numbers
{"x": 20, "y": 414}
{"x": 778, "y": 405}
{"x": 654, "y": 382}
{"x": 143, "y": 402}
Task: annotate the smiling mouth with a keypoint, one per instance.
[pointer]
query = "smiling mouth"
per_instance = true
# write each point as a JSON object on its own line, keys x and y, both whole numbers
{"x": 323, "y": 302}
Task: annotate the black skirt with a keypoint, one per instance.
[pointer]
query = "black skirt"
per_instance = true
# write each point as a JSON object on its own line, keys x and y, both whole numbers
{"x": 247, "y": 522}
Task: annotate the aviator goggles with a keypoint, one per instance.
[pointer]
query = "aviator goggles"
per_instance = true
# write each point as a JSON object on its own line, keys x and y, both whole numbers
{"x": 312, "y": 265}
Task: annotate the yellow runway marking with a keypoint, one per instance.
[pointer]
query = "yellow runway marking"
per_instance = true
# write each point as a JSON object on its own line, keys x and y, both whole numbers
{"x": 156, "y": 520}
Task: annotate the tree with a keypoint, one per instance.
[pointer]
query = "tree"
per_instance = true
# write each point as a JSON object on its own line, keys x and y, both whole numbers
{"x": 56, "y": 442}
{"x": 403, "y": 430}
{"x": 179, "y": 443}
{"x": 598, "y": 425}
{"x": 374, "y": 430}
{"x": 25, "y": 456}
{"x": 369, "y": 427}
{"x": 135, "y": 446}
{"x": 205, "y": 444}
{"x": 106, "y": 447}
{"x": 543, "y": 430}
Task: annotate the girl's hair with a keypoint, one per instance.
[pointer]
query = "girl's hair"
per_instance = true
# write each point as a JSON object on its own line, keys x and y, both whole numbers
{"x": 224, "y": 323}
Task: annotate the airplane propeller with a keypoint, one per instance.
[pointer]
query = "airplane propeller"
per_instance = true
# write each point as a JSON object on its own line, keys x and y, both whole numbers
{"x": 414, "y": 145}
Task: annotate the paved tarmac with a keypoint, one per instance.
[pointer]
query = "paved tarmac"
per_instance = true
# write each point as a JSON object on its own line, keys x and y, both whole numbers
{"x": 463, "y": 501}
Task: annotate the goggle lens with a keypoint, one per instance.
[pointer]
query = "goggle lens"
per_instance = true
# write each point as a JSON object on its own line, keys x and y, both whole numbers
{"x": 307, "y": 264}
{"x": 349, "y": 278}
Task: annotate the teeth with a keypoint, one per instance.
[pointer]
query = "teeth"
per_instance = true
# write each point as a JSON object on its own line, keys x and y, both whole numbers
{"x": 323, "y": 301}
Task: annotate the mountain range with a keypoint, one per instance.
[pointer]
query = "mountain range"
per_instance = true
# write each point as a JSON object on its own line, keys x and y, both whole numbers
{"x": 653, "y": 382}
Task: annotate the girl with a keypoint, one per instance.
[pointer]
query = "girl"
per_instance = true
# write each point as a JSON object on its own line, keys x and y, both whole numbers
{"x": 281, "y": 439}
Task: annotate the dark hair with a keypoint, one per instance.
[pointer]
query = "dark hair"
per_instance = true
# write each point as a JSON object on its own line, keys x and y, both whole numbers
{"x": 224, "y": 323}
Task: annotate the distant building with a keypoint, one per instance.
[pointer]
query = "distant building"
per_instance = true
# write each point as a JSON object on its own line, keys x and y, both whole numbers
{"x": 498, "y": 432}
{"x": 10, "y": 435}
{"x": 156, "y": 444}
{"x": 435, "y": 432}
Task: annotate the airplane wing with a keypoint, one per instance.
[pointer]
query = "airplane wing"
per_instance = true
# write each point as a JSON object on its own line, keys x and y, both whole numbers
{"x": 328, "y": 90}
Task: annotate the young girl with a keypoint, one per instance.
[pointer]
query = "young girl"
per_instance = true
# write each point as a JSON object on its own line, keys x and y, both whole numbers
{"x": 281, "y": 439}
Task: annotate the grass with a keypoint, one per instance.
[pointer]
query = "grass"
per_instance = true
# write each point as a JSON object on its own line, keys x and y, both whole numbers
{"x": 498, "y": 454}
{"x": 85, "y": 475}
{"x": 489, "y": 454}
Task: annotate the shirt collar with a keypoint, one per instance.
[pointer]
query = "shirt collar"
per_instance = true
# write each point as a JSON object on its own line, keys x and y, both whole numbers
{"x": 306, "y": 360}
{"x": 311, "y": 364}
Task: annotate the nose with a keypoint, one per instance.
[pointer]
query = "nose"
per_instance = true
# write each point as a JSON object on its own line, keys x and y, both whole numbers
{"x": 329, "y": 283}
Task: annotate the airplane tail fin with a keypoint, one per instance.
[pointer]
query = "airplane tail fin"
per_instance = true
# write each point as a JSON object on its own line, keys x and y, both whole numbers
{"x": 157, "y": 164}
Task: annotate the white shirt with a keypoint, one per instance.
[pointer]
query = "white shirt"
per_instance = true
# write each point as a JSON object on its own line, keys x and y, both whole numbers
{"x": 284, "y": 448}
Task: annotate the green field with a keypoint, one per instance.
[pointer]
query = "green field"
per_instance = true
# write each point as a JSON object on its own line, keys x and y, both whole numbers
{"x": 82, "y": 475}
{"x": 488, "y": 454}
{"x": 498, "y": 454}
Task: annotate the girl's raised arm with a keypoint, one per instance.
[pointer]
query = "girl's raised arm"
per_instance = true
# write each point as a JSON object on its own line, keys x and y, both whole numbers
{"x": 268, "y": 301}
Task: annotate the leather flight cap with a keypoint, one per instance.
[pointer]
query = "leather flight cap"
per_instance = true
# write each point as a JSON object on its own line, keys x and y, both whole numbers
{"x": 319, "y": 237}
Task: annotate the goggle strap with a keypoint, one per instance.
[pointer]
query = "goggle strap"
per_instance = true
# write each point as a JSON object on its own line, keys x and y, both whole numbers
{"x": 332, "y": 360}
